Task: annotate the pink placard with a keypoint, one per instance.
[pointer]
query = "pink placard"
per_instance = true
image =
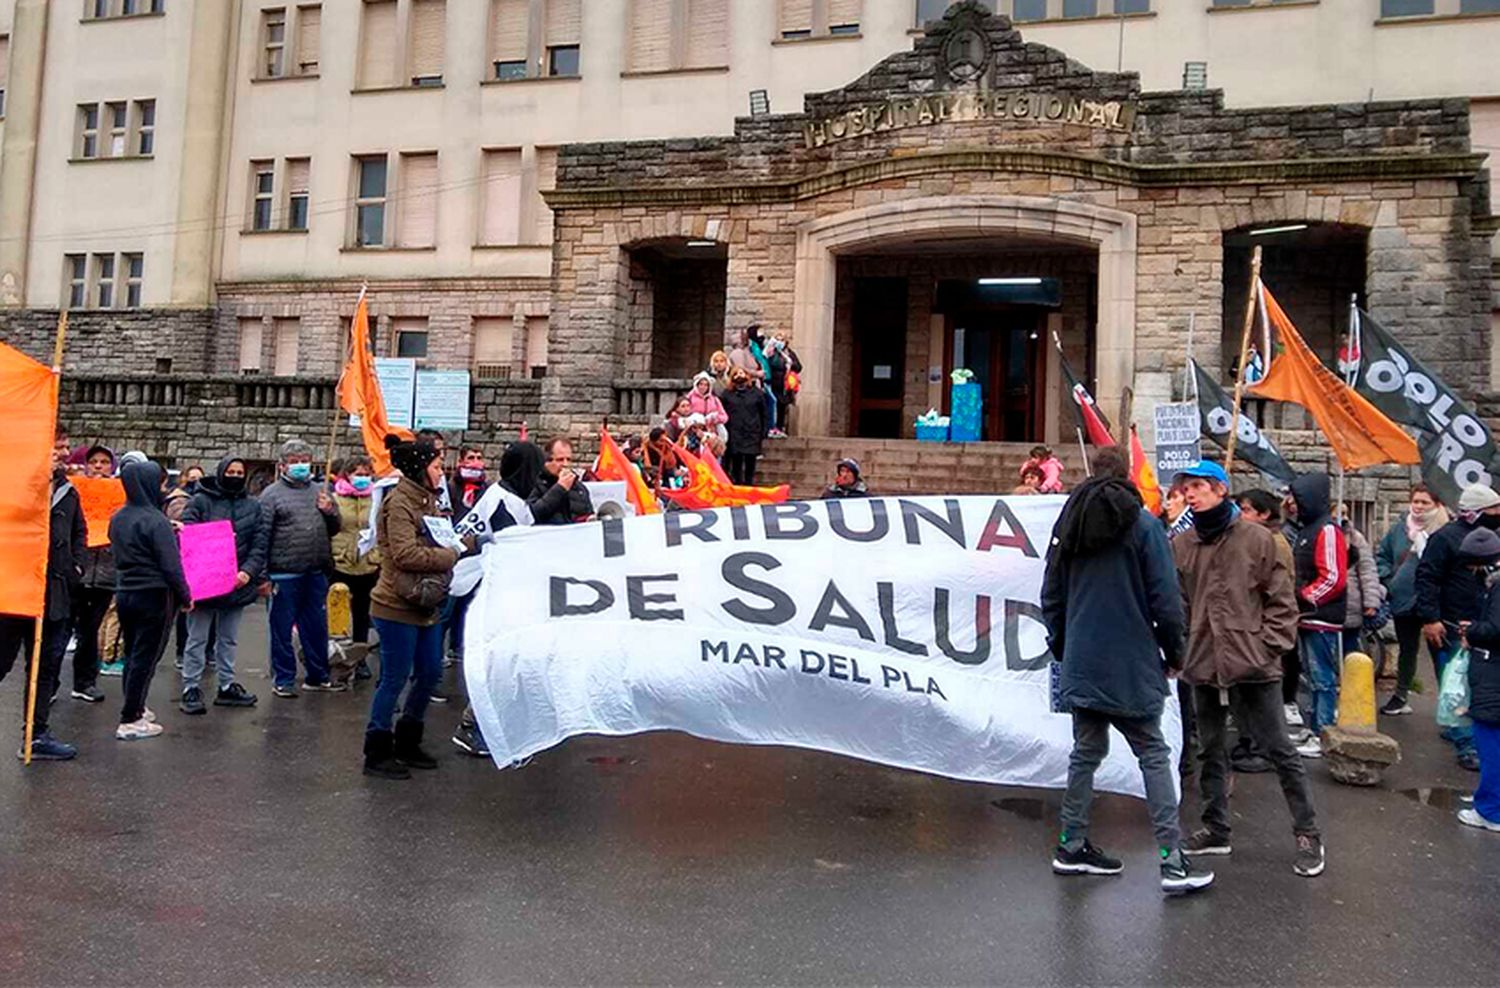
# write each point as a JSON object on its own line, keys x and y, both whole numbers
{"x": 208, "y": 558}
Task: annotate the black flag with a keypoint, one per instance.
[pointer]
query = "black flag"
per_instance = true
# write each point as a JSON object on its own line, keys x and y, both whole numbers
{"x": 1457, "y": 448}
{"x": 1216, "y": 411}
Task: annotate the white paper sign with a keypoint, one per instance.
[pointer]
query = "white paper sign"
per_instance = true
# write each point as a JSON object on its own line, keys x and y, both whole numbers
{"x": 397, "y": 377}
{"x": 1177, "y": 431}
{"x": 903, "y": 631}
{"x": 442, "y": 399}
{"x": 442, "y": 533}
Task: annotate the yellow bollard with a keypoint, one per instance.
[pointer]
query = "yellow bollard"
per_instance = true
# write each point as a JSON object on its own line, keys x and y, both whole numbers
{"x": 1357, "y": 693}
{"x": 340, "y": 619}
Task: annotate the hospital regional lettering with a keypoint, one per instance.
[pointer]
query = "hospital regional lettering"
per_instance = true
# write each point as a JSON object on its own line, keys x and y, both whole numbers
{"x": 917, "y": 111}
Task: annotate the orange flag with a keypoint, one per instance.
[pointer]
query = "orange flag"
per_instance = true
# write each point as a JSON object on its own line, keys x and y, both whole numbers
{"x": 100, "y": 498}
{"x": 359, "y": 391}
{"x": 715, "y": 468}
{"x": 1360, "y": 435}
{"x": 28, "y": 393}
{"x": 706, "y": 490}
{"x": 1143, "y": 474}
{"x": 615, "y": 465}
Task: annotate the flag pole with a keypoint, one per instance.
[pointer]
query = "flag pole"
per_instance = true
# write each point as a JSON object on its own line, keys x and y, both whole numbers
{"x": 36, "y": 629}
{"x": 1188, "y": 378}
{"x": 1239, "y": 377}
{"x": 333, "y": 426}
{"x": 1088, "y": 471}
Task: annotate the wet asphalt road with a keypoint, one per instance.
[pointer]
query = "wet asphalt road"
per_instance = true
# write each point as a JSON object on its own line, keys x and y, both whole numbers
{"x": 245, "y": 847}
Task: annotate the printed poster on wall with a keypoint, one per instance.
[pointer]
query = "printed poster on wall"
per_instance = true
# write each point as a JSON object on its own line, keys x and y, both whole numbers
{"x": 1177, "y": 430}
{"x": 398, "y": 382}
{"x": 442, "y": 399}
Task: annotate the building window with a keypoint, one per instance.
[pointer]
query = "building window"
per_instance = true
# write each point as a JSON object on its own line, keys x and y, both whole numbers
{"x": 492, "y": 346}
{"x": 426, "y": 42}
{"x": 670, "y": 35}
{"x": 4, "y": 69}
{"x": 273, "y": 43}
{"x": 516, "y": 52}
{"x": 536, "y": 346}
{"x": 263, "y": 191}
{"x": 818, "y": 18}
{"x": 298, "y": 171}
{"x": 933, "y": 10}
{"x": 131, "y": 129}
{"x": 1132, "y": 6}
{"x": 369, "y": 204}
{"x": 1030, "y": 10}
{"x": 1405, "y": 8}
{"x": 104, "y": 281}
{"x": 75, "y": 267}
{"x": 145, "y": 127}
{"x": 562, "y": 60}
{"x": 501, "y": 212}
{"x": 119, "y": 125}
{"x": 416, "y": 214}
{"x": 1080, "y": 8}
{"x": 309, "y": 38}
{"x": 252, "y": 334}
{"x": 88, "y": 130}
{"x": 94, "y": 10}
{"x": 135, "y": 269}
{"x": 411, "y": 338}
{"x": 286, "y": 338}
{"x": 1479, "y": 7}
{"x": 377, "y": 45}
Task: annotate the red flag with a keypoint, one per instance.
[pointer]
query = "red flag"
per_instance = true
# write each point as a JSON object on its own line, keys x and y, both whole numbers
{"x": 359, "y": 391}
{"x": 1090, "y": 419}
{"x": 613, "y": 464}
{"x": 1143, "y": 475}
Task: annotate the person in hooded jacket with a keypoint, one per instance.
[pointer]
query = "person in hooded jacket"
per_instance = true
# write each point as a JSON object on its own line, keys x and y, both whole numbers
{"x": 67, "y": 548}
{"x": 1114, "y": 620}
{"x": 415, "y": 575}
{"x": 1242, "y": 614}
{"x": 94, "y": 597}
{"x": 215, "y": 623}
{"x": 520, "y": 466}
{"x": 149, "y": 589}
{"x": 355, "y": 570}
{"x": 1480, "y": 550}
{"x": 846, "y": 481}
{"x": 1365, "y": 592}
{"x": 1450, "y": 593}
{"x": 1321, "y": 554}
{"x": 747, "y": 427}
{"x": 1396, "y": 562}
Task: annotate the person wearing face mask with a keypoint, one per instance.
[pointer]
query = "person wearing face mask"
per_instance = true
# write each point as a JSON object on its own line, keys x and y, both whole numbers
{"x": 1400, "y": 552}
{"x": 301, "y": 520}
{"x": 469, "y": 479}
{"x": 94, "y": 598}
{"x": 415, "y": 577}
{"x": 1450, "y": 593}
{"x": 214, "y": 624}
{"x": 67, "y": 546}
{"x": 351, "y": 492}
{"x": 747, "y": 428}
{"x": 1480, "y": 550}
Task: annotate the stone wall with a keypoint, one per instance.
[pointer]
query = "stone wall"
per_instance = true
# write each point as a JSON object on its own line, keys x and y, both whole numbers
{"x": 127, "y": 341}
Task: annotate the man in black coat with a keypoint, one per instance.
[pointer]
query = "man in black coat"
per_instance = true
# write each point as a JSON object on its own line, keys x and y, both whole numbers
{"x": 557, "y": 497}
{"x": 67, "y": 548}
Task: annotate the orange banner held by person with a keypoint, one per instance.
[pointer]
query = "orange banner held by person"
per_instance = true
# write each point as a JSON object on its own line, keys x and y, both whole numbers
{"x": 1360, "y": 435}
{"x": 705, "y": 490}
{"x": 359, "y": 391}
{"x": 100, "y": 498}
{"x": 613, "y": 464}
{"x": 1143, "y": 474}
{"x": 28, "y": 393}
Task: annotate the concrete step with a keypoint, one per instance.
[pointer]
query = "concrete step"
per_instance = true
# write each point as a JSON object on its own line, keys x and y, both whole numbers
{"x": 903, "y": 466}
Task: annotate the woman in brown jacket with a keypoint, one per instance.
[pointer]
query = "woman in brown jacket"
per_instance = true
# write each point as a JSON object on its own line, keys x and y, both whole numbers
{"x": 406, "y": 604}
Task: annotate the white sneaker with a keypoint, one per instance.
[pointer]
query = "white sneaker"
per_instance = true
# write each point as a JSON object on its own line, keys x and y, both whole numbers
{"x": 1471, "y": 817}
{"x": 1311, "y": 748}
{"x": 148, "y": 716}
{"x": 138, "y": 730}
{"x": 1293, "y": 715}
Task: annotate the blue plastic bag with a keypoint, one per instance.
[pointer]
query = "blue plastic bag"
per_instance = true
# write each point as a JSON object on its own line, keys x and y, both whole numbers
{"x": 1453, "y": 692}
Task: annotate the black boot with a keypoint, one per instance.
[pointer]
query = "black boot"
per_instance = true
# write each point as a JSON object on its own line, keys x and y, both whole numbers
{"x": 409, "y": 745}
{"x": 380, "y": 759}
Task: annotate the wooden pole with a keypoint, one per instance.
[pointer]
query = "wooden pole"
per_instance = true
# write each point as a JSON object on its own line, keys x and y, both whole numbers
{"x": 333, "y": 426}
{"x": 36, "y": 631}
{"x": 1239, "y": 378}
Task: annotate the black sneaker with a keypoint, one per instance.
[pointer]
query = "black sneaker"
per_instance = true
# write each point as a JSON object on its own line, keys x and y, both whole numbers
{"x": 312, "y": 687}
{"x": 1309, "y": 861}
{"x": 1087, "y": 860}
{"x": 235, "y": 695}
{"x": 1468, "y": 760}
{"x": 1396, "y": 706}
{"x": 192, "y": 702}
{"x": 1179, "y": 875}
{"x": 1204, "y": 842}
{"x": 89, "y": 694}
{"x": 471, "y": 742}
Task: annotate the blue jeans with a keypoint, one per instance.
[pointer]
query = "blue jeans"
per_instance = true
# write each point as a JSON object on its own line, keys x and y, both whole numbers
{"x": 1462, "y": 738}
{"x": 407, "y": 651}
{"x": 1487, "y": 744}
{"x": 770, "y": 402}
{"x": 301, "y": 600}
{"x": 1319, "y": 651}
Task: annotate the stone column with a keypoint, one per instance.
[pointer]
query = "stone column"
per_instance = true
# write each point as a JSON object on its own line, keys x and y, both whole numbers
{"x": 23, "y": 120}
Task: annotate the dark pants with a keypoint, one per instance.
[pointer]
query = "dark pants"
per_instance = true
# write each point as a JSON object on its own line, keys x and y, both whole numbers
{"x": 782, "y": 407}
{"x": 453, "y": 624}
{"x": 741, "y": 467}
{"x": 302, "y": 601}
{"x": 16, "y": 635}
{"x": 1090, "y": 745}
{"x": 145, "y": 625}
{"x": 1291, "y": 676}
{"x": 359, "y": 602}
{"x": 407, "y": 652}
{"x": 1408, "y": 647}
{"x": 90, "y": 605}
{"x": 1263, "y": 718}
{"x": 1189, "y": 722}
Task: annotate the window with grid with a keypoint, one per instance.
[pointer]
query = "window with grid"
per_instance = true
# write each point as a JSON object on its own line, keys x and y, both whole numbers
{"x": 88, "y": 130}
{"x": 667, "y": 35}
{"x": 104, "y": 281}
{"x": 76, "y": 272}
{"x": 426, "y": 41}
{"x": 377, "y": 45}
{"x": 273, "y": 43}
{"x": 800, "y": 19}
{"x": 145, "y": 126}
{"x": 309, "y": 38}
{"x": 263, "y": 194}
{"x": 562, "y": 31}
{"x": 117, "y": 115}
{"x": 492, "y": 346}
{"x": 94, "y": 10}
{"x": 510, "y": 22}
{"x": 410, "y": 337}
{"x": 298, "y": 172}
{"x": 369, "y": 203}
{"x": 416, "y": 217}
{"x": 135, "y": 271}
{"x": 500, "y": 217}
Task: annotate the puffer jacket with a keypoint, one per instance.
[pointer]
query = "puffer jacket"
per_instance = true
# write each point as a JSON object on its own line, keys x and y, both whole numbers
{"x": 214, "y": 503}
{"x": 1447, "y": 590}
{"x": 1484, "y": 658}
{"x": 299, "y": 533}
{"x": 1111, "y": 603}
{"x": 1365, "y": 591}
{"x": 354, "y": 518}
{"x": 1242, "y": 610}
{"x": 408, "y": 553}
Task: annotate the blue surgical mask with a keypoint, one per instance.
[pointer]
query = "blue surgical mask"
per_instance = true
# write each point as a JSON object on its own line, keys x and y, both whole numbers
{"x": 360, "y": 483}
{"x": 299, "y": 471}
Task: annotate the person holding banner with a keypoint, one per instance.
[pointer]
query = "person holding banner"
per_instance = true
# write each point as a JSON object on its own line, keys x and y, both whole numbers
{"x": 1114, "y": 619}
{"x": 94, "y": 597}
{"x": 149, "y": 588}
{"x": 1242, "y": 615}
{"x": 223, "y": 497}
{"x": 67, "y": 547}
{"x": 418, "y": 550}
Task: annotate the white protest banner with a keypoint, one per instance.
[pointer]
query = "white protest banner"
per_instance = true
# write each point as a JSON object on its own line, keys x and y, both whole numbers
{"x": 904, "y": 631}
{"x": 1177, "y": 429}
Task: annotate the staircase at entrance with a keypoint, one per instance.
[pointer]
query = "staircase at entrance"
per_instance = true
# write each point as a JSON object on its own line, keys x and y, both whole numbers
{"x": 904, "y": 466}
